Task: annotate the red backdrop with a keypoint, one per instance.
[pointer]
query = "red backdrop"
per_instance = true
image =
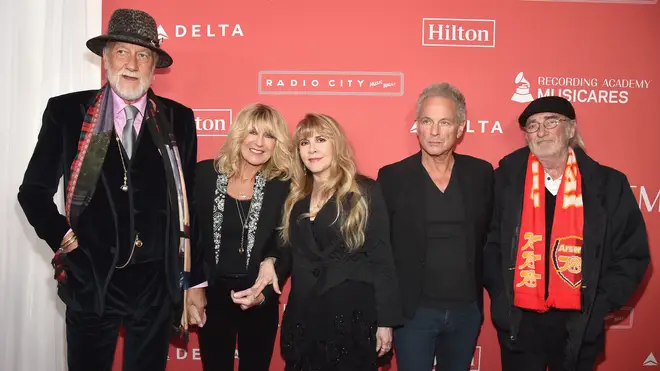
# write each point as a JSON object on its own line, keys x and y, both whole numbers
{"x": 364, "y": 62}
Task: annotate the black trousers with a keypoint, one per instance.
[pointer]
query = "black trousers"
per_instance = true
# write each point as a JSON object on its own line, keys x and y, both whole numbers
{"x": 542, "y": 338}
{"x": 136, "y": 299}
{"x": 255, "y": 328}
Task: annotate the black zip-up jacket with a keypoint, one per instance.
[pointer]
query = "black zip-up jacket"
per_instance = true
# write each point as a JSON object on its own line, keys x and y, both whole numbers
{"x": 615, "y": 252}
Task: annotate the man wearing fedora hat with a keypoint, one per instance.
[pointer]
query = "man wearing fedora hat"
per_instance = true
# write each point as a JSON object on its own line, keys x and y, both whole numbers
{"x": 122, "y": 250}
{"x": 567, "y": 246}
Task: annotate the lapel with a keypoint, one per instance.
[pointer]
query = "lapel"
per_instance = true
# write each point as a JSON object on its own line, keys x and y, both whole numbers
{"x": 467, "y": 186}
{"x": 164, "y": 116}
{"x": 595, "y": 216}
{"x": 84, "y": 107}
{"x": 305, "y": 230}
{"x": 263, "y": 234}
{"x": 513, "y": 197}
{"x": 417, "y": 198}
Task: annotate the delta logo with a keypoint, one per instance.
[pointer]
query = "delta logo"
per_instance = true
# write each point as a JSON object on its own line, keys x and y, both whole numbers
{"x": 199, "y": 31}
{"x": 475, "y": 126}
{"x": 194, "y": 354}
{"x": 365, "y": 83}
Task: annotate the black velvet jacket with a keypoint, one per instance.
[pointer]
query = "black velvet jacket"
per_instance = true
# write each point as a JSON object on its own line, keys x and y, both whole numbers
{"x": 108, "y": 222}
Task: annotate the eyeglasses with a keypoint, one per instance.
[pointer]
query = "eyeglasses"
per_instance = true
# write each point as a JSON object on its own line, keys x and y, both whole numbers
{"x": 534, "y": 126}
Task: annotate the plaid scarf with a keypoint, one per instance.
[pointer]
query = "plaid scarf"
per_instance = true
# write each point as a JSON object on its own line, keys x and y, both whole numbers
{"x": 85, "y": 170}
{"x": 565, "y": 272}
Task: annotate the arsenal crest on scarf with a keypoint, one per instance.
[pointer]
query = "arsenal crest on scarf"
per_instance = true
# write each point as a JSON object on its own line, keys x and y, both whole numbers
{"x": 565, "y": 273}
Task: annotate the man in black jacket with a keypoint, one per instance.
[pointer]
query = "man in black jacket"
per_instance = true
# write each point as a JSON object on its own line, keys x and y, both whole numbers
{"x": 128, "y": 158}
{"x": 567, "y": 246}
{"x": 439, "y": 204}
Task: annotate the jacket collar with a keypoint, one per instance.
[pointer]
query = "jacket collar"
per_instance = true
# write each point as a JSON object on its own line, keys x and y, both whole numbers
{"x": 515, "y": 165}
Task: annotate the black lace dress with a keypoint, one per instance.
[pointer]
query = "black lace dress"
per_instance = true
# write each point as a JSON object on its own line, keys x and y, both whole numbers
{"x": 336, "y": 331}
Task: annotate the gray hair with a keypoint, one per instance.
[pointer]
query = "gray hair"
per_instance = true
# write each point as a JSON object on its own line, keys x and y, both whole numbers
{"x": 106, "y": 49}
{"x": 444, "y": 90}
{"x": 576, "y": 141}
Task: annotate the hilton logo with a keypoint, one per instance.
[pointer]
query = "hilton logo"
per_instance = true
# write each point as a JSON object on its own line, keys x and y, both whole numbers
{"x": 212, "y": 122}
{"x": 470, "y": 33}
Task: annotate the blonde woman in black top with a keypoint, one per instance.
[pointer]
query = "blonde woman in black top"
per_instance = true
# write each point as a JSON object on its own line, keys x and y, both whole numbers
{"x": 239, "y": 195}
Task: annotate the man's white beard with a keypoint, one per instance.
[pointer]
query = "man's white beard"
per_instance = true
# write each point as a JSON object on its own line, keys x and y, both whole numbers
{"x": 124, "y": 93}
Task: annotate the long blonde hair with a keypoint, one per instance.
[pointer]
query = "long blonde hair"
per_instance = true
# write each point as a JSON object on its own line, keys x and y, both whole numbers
{"x": 256, "y": 116}
{"x": 342, "y": 181}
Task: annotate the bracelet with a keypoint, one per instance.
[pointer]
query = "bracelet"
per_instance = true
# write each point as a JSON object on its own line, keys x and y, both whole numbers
{"x": 73, "y": 235}
{"x": 68, "y": 243}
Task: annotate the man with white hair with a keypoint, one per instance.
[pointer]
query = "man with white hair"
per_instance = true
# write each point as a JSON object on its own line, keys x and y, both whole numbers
{"x": 122, "y": 250}
{"x": 566, "y": 247}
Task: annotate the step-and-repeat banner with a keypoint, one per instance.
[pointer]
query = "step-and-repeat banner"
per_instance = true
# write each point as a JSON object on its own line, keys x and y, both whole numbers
{"x": 364, "y": 62}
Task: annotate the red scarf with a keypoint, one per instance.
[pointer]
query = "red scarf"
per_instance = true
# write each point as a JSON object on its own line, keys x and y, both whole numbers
{"x": 565, "y": 269}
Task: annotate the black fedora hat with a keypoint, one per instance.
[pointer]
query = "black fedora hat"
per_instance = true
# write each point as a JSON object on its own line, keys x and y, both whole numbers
{"x": 135, "y": 27}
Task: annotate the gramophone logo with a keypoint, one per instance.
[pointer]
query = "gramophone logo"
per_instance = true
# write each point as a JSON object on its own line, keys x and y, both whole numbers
{"x": 522, "y": 94}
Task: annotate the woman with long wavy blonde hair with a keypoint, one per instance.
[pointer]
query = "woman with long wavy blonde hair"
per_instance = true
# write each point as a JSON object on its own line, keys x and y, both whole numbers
{"x": 240, "y": 196}
{"x": 344, "y": 297}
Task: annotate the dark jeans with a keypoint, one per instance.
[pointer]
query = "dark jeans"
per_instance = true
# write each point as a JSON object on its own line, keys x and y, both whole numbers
{"x": 450, "y": 335}
{"x": 541, "y": 344}
{"x": 136, "y": 299}
{"x": 255, "y": 328}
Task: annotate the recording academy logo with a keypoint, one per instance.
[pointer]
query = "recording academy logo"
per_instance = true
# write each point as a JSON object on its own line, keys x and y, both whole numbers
{"x": 212, "y": 122}
{"x": 522, "y": 94}
{"x": 331, "y": 83}
{"x": 200, "y": 31}
{"x": 578, "y": 89}
{"x": 601, "y": 1}
{"x": 647, "y": 200}
{"x": 471, "y": 33}
{"x": 478, "y": 126}
{"x": 621, "y": 319}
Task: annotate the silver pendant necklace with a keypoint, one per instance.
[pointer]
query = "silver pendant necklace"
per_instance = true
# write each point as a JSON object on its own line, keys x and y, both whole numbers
{"x": 244, "y": 225}
{"x": 124, "y": 187}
